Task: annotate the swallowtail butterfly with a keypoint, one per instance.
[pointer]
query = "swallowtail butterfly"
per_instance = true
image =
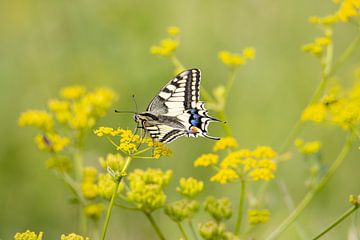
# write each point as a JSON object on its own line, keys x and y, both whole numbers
{"x": 177, "y": 111}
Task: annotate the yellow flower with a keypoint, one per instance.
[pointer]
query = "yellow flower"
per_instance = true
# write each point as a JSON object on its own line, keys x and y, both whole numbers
{"x": 105, "y": 131}
{"x": 160, "y": 150}
{"x": 224, "y": 143}
{"x": 181, "y": 210}
{"x": 51, "y": 142}
{"x": 100, "y": 100}
{"x": 327, "y": 20}
{"x": 28, "y": 235}
{"x": 206, "y": 160}
{"x": 249, "y": 53}
{"x": 89, "y": 188}
{"x": 231, "y": 59}
{"x": 94, "y": 210}
{"x": 166, "y": 48}
{"x": 219, "y": 209}
{"x": 36, "y": 118}
{"x": 323, "y": 41}
{"x": 72, "y": 92}
{"x": 256, "y": 216}
{"x": 73, "y": 236}
{"x": 354, "y": 200}
{"x": 61, "y": 109}
{"x": 231, "y": 160}
{"x": 106, "y": 186}
{"x": 264, "y": 152}
{"x": 113, "y": 161}
{"x": 313, "y": 48}
{"x": 213, "y": 230}
{"x": 225, "y": 175}
{"x": 190, "y": 187}
{"x": 261, "y": 174}
{"x": 151, "y": 176}
{"x": 348, "y": 9}
{"x": 89, "y": 174}
{"x": 315, "y": 113}
{"x": 307, "y": 148}
{"x": 173, "y": 31}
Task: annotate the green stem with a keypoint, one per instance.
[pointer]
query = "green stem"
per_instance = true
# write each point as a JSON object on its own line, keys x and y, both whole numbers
{"x": 112, "y": 200}
{"x": 225, "y": 126}
{"x": 310, "y": 195}
{"x": 241, "y": 207}
{"x": 337, "y": 221}
{"x": 345, "y": 55}
{"x": 176, "y": 62}
{"x": 191, "y": 225}
{"x": 182, "y": 231}
{"x": 154, "y": 225}
{"x": 230, "y": 82}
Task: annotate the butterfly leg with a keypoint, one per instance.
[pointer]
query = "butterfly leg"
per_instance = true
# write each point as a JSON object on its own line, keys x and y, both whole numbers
{"x": 142, "y": 137}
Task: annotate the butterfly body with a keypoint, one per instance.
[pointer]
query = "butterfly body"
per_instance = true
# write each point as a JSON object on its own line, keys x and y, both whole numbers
{"x": 177, "y": 111}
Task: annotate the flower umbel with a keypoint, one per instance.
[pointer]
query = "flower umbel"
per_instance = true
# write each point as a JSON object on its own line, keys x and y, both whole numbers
{"x": 28, "y": 235}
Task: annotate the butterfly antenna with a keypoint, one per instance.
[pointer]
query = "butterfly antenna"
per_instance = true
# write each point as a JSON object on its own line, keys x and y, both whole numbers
{"x": 136, "y": 106}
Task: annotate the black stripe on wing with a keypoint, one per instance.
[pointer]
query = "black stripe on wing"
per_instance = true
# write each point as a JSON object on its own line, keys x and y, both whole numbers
{"x": 180, "y": 94}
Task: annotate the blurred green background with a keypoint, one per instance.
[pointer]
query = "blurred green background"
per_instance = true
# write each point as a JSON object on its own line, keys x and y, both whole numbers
{"x": 45, "y": 45}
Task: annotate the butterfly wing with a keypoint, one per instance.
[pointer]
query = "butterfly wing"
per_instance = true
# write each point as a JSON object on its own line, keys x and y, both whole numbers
{"x": 178, "y": 95}
{"x": 177, "y": 111}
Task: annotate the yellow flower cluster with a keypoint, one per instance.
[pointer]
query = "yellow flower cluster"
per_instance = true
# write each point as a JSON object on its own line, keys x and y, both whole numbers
{"x": 51, "y": 142}
{"x": 214, "y": 230}
{"x": 94, "y": 210}
{"x": 182, "y": 209}
{"x": 80, "y": 109}
{"x": 146, "y": 188}
{"x": 129, "y": 142}
{"x": 224, "y": 143}
{"x": 219, "y": 209}
{"x": 347, "y": 9}
{"x": 307, "y": 148}
{"x": 317, "y": 47}
{"x": 246, "y": 164}
{"x": 343, "y": 111}
{"x": 234, "y": 60}
{"x": 28, "y": 235}
{"x": 36, "y": 118}
{"x": 354, "y": 200}
{"x": 256, "y": 216}
{"x": 114, "y": 161}
{"x": 73, "y": 236}
{"x": 94, "y": 184}
{"x": 206, "y": 160}
{"x": 168, "y": 45}
{"x": 190, "y": 187}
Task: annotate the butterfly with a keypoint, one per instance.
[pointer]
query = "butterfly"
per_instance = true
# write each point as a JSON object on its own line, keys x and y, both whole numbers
{"x": 176, "y": 110}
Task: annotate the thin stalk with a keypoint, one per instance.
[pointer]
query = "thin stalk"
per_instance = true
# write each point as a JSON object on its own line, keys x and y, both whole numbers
{"x": 176, "y": 62}
{"x": 337, "y": 221}
{"x": 230, "y": 82}
{"x": 310, "y": 195}
{"x": 225, "y": 126}
{"x": 112, "y": 200}
{"x": 241, "y": 207}
{"x": 154, "y": 225}
{"x": 182, "y": 231}
{"x": 191, "y": 225}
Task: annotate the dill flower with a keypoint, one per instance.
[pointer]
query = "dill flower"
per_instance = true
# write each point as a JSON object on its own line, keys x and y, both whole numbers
{"x": 72, "y": 92}
{"x": 348, "y": 9}
{"x": 89, "y": 188}
{"x": 354, "y": 200}
{"x": 160, "y": 150}
{"x": 214, "y": 230}
{"x": 94, "y": 210}
{"x": 261, "y": 174}
{"x": 113, "y": 161}
{"x": 256, "y": 216}
{"x": 206, "y": 160}
{"x": 106, "y": 131}
{"x": 232, "y": 60}
{"x": 28, "y": 235}
{"x": 51, "y": 142}
{"x": 190, "y": 187}
{"x": 224, "y": 143}
{"x": 219, "y": 209}
{"x": 36, "y": 118}
{"x": 225, "y": 175}
{"x": 173, "y": 31}
{"x": 264, "y": 152}
{"x": 73, "y": 236}
{"x": 307, "y": 148}
{"x": 61, "y": 109}
{"x": 106, "y": 186}
{"x": 181, "y": 210}
{"x": 166, "y": 48}
{"x": 315, "y": 113}
{"x": 249, "y": 53}
{"x": 146, "y": 188}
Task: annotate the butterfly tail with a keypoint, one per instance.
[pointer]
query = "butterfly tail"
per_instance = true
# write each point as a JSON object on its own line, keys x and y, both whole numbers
{"x": 210, "y": 137}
